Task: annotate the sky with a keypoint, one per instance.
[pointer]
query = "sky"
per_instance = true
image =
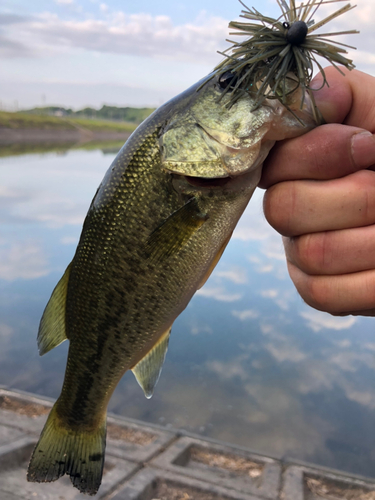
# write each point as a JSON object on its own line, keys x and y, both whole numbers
{"x": 80, "y": 53}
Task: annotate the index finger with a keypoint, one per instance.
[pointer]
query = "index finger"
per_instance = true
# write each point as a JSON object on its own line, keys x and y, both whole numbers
{"x": 332, "y": 150}
{"x": 327, "y": 152}
{"x": 349, "y": 99}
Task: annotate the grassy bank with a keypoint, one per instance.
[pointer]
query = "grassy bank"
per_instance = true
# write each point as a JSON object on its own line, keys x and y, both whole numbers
{"x": 45, "y": 122}
{"x": 18, "y": 149}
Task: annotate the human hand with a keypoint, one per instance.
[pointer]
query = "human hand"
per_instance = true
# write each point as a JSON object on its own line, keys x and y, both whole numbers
{"x": 321, "y": 197}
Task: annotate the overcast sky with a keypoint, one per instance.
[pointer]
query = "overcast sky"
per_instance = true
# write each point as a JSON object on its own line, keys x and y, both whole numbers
{"x": 128, "y": 52}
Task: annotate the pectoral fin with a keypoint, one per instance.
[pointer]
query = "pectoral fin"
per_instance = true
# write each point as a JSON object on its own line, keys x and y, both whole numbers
{"x": 175, "y": 231}
{"x": 147, "y": 371}
{"x": 215, "y": 261}
{"x": 52, "y": 325}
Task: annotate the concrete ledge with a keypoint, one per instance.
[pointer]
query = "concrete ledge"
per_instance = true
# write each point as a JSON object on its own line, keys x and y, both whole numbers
{"x": 305, "y": 483}
{"x": 148, "y": 462}
{"x": 23, "y": 411}
{"x": 136, "y": 442}
{"x": 116, "y": 472}
{"x": 153, "y": 484}
{"x": 14, "y": 459}
{"x": 222, "y": 465}
{"x": 14, "y": 453}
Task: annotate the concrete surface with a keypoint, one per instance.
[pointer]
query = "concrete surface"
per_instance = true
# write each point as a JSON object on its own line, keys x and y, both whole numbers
{"x": 147, "y": 462}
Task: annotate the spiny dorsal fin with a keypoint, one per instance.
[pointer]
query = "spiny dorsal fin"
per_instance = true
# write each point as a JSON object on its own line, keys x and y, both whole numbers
{"x": 52, "y": 325}
{"x": 147, "y": 371}
{"x": 175, "y": 231}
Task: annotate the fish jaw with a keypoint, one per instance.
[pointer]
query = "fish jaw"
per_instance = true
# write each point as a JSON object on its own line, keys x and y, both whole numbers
{"x": 209, "y": 140}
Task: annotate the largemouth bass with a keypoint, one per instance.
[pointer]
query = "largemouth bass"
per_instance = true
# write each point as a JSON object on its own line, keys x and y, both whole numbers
{"x": 160, "y": 221}
{"x": 156, "y": 228}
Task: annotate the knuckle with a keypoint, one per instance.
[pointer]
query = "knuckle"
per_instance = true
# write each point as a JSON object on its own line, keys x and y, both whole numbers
{"x": 278, "y": 207}
{"x": 364, "y": 191}
{"x": 313, "y": 252}
{"x": 318, "y": 294}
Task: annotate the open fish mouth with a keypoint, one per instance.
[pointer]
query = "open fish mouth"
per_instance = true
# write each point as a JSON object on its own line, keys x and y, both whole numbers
{"x": 207, "y": 182}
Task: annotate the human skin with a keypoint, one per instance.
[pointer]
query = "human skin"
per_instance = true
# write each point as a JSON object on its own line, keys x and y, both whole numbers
{"x": 321, "y": 197}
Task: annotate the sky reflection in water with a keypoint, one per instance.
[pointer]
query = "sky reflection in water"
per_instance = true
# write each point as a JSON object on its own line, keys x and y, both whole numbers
{"x": 248, "y": 361}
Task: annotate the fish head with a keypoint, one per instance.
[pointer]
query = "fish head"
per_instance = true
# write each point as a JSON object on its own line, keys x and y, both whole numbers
{"x": 208, "y": 138}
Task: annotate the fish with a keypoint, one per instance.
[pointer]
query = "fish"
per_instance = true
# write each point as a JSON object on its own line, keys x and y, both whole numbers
{"x": 155, "y": 230}
{"x": 157, "y": 226}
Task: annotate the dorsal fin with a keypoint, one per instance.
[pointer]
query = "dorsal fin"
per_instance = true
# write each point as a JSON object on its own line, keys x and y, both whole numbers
{"x": 52, "y": 325}
{"x": 147, "y": 371}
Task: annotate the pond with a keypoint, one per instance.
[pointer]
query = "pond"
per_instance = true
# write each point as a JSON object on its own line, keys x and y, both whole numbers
{"x": 248, "y": 362}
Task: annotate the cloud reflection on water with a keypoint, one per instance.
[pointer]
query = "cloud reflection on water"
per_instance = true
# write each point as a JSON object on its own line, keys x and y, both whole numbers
{"x": 22, "y": 260}
{"x": 317, "y": 320}
{"x": 248, "y": 361}
{"x": 218, "y": 293}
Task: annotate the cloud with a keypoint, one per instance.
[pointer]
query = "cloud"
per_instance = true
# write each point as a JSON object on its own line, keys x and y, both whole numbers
{"x": 246, "y": 314}
{"x": 69, "y": 240}
{"x": 269, "y": 294}
{"x": 235, "y": 275}
{"x": 317, "y": 375}
{"x": 11, "y": 48}
{"x": 244, "y": 233}
{"x": 52, "y": 211}
{"x": 228, "y": 370}
{"x": 196, "y": 330}
{"x": 81, "y": 93}
{"x": 318, "y": 320}
{"x": 351, "y": 361}
{"x": 364, "y": 398}
{"x": 22, "y": 260}
{"x": 218, "y": 293}
{"x": 120, "y": 33}
{"x": 6, "y": 331}
{"x": 265, "y": 269}
{"x": 287, "y": 352}
{"x": 6, "y": 19}
{"x": 370, "y": 346}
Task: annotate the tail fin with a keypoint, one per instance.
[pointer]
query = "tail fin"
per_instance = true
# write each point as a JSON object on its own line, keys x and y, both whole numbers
{"x": 64, "y": 451}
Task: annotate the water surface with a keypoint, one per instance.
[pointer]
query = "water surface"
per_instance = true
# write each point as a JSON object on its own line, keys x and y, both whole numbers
{"x": 248, "y": 362}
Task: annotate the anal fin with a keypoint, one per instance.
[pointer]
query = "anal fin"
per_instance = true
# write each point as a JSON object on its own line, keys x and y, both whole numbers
{"x": 52, "y": 325}
{"x": 147, "y": 370}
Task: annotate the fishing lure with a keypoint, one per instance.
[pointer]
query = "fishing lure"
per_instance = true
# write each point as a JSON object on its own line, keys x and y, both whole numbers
{"x": 279, "y": 55}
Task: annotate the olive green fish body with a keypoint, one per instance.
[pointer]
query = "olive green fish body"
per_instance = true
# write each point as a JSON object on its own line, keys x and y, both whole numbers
{"x": 156, "y": 227}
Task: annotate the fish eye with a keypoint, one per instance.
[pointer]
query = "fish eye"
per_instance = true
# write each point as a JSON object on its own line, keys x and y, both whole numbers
{"x": 228, "y": 79}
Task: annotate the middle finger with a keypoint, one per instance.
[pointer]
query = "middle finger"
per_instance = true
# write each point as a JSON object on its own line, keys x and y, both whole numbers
{"x": 299, "y": 207}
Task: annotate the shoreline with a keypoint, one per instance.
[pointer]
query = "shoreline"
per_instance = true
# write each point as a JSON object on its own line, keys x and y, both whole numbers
{"x": 33, "y": 135}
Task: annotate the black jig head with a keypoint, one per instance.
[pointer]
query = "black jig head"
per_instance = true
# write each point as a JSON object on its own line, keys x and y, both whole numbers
{"x": 297, "y": 32}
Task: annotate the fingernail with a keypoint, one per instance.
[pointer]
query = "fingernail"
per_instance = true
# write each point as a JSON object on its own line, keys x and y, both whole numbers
{"x": 363, "y": 149}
